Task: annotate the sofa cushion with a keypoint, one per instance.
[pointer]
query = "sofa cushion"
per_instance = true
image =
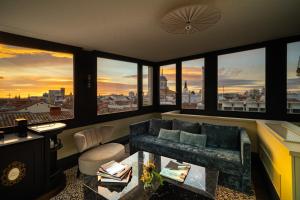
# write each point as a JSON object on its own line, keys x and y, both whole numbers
{"x": 227, "y": 161}
{"x": 226, "y": 137}
{"x": 157, "y": 124}
{"x": 198, "y": 140}
{"x": 191, "y": 127}
{"x": 172, "y": 135}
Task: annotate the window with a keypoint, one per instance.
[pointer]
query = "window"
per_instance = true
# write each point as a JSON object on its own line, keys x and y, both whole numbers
{"x": 116, "y": 86}
{"x": 35, "y": 84}
{"x": 167, "y": 82}
{"x": 241, "y": 81}
{"x": 147, "y": 85}
{"x": 193, "y": 84}
{"x": 293, "y": 78}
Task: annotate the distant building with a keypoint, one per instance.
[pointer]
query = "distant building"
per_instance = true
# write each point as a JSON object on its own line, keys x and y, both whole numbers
{"x": 167, "y": 96}
{"x": 251, "y": 101}
{"x": 56, "y": 97}
{"x": 191, "y": 99}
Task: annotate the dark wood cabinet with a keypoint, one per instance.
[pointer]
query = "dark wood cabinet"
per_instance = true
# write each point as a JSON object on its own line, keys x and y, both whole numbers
{"x": 22, "y": 166}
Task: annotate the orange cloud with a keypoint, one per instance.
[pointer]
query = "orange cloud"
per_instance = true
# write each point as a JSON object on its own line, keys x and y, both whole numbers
{"x": 55, "y": 80}
{"x": 232, "y": 89}
{"x": 107, "y": 88}
{"x": 8, "y": 51}
{"x": 103, "y": 79}
{"x": 168, "y": 70}
{"x": 192, "y": 71}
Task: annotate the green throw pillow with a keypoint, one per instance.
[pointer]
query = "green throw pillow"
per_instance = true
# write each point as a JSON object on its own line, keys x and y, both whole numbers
{"x": 172, "y": 135}
{"x": 197, "y": 140}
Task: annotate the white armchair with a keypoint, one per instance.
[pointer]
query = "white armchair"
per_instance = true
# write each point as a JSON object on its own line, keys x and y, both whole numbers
{"x": 91, "y": 144}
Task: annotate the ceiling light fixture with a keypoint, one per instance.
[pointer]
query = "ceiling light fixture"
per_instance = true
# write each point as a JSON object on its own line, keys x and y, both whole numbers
{"x": 190, "y": 19}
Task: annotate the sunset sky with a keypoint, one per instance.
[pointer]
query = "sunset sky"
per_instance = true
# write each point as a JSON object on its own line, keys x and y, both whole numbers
{"x": 238, "y": 72}
{"x": 116, "y": 77}
{"x": 169, "y": 71}
{"x": 192, "y": 73}
{"x": 26, "y": 71}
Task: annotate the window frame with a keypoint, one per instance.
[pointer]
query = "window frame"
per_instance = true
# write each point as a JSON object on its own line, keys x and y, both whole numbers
{"x": 186, "y": 60}
{"x": 121, "y": 115}
{"x": 211, "y": 83}
{"x": 265, "y": 82}
{"x": 137, "y": 86}
{"x": 289, "y": 115}
{"x": 169, "y": 106}
{"x": 31, "y": 43}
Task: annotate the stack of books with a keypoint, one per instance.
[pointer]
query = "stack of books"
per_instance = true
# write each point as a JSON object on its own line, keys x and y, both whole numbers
{"x": 115, "y": 173}
{"x": 176, "y": 171}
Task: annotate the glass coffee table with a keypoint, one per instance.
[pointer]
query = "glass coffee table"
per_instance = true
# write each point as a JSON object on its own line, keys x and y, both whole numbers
{"x": 200, "y": 182}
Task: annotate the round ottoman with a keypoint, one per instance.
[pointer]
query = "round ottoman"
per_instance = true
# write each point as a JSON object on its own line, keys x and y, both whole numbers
{"x": 90, "y": 161}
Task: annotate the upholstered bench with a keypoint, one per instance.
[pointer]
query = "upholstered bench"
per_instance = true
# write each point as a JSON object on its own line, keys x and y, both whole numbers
{"x": 94, "y": 153}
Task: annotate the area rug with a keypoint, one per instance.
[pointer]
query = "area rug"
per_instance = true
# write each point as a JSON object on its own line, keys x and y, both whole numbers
{"x": 74, "y": 191}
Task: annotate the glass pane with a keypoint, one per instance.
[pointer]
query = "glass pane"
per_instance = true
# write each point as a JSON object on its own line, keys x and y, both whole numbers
{"x": 168, "y": 84}
{"x": 293, "y": 78}
{"x": 193, "y": 84}
{"x": 35, "y": 84}
{"x": 147, "y": 85}
{"x": 116, "y": 86}
{"x": 241, "y": 81}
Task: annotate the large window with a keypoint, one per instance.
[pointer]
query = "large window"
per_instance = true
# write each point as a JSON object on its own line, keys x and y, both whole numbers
{"x": 116, "y": 86}
{"x": 293, "y": 77}
{"x": 35, "y": 84}
{"x": 193, "y": 84}
{"x": 167, "y": 82}
{"x": 147, "y": 85}
{"x": 241, "y": 81}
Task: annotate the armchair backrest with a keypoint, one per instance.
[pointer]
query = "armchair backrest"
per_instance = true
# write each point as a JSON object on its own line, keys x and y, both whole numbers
{"x": 91, "y": 137}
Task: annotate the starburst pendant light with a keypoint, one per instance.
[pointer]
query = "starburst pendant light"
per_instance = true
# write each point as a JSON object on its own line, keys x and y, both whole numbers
{"x": 190, "y": 19}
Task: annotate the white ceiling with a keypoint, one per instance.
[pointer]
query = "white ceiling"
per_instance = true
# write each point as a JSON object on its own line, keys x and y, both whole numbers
{"x": 131, "y": 27}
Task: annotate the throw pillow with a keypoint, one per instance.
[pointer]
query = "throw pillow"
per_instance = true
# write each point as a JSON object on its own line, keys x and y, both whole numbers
{"x": 157, "y": 124}
{"x": 226, "y": 137}
{"x": 198, "y": 140}
{"x": 191, "y": 127}
{"x": 172, "y": 135}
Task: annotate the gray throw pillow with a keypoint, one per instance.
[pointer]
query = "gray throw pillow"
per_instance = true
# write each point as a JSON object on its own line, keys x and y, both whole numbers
{"x": 198, "y": 140}
{"x": 172, "y": 135}
{"x": 191, "y": 127}
{"x": 227, "y": 137}
{"x": 157, "y": 124}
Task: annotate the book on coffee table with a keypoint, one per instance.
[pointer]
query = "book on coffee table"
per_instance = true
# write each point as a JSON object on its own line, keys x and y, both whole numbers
{"x": 125, "y": 179}
{"x": 114, "y": 171}
{"x": 176, "y": 171}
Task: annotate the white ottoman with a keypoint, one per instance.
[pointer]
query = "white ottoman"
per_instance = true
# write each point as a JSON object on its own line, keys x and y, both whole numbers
{"x": 90, "y": 161}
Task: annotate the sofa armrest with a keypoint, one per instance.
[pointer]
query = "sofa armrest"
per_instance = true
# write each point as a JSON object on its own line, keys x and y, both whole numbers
{"x": 245, "y": 149}
{"x": 139, "y": 128}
